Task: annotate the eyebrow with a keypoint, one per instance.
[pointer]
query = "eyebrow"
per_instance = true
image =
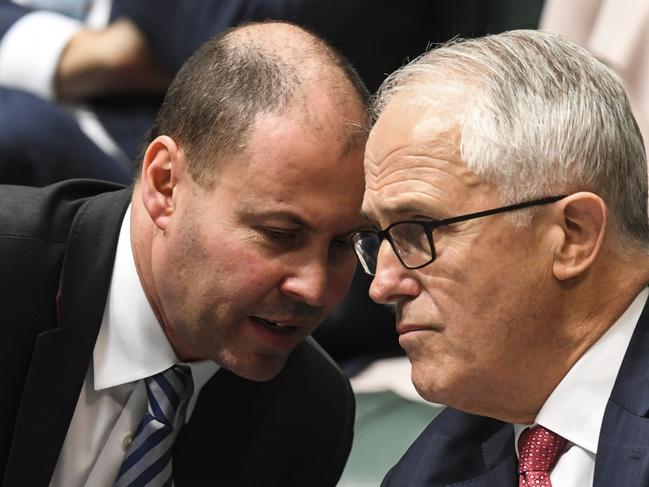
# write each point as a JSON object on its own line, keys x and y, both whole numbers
{"x": 296, "y": 220}
{"x": 406, "y": 208}
{"x": 367, "y": 216}
{"x": 368, "y": 223}
{"x": 286, "y": 216}
{"x": 403, "y": 209}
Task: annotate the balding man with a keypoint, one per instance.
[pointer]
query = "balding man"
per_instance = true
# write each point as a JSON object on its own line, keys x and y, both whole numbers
{"x": 171, "y": 320}
{"x": 507, "y": 181}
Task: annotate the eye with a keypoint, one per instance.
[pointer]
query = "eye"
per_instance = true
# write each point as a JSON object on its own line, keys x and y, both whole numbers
{"x": 341, "y": 250}
{"x": 282, "y": 236}
{"x": 341, "y": 243}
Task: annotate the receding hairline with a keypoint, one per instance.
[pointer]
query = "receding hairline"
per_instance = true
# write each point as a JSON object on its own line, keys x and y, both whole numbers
{"x": 273, "y": 35}
{"x": 312, "y": 62}
{"x": 293, "y": 45}
{"x": 291, "y": 60}
{"x": 314, "y": 66}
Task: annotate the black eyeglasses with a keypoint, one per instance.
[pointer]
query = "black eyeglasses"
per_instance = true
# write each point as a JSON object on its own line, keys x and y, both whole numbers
{"x": 412, "y": 240}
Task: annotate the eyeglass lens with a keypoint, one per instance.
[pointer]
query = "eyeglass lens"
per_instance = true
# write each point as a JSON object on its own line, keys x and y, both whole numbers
{"x": 366, "y": 245}
{"x": 411, "y": 243}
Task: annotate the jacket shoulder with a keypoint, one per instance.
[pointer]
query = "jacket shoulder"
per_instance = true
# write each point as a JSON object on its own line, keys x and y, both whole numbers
{"x": 45, "y": 213}
{"x": 294, "y": 430}
{"x": 312, "y": 385}
{"x": 35, "y": 224}
{"x": 454, "y": 447}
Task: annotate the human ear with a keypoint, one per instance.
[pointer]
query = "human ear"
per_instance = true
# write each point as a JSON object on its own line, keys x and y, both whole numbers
{"x": 163, "y": 162}
{"x": 582, "y": 218}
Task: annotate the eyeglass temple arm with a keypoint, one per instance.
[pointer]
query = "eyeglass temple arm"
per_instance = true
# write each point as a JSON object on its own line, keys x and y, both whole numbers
{"x": 494, "y": 211}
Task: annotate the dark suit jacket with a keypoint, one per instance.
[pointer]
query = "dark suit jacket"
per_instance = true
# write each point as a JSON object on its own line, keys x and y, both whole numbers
{"x": 473, "y": 451}
{"x": 294, "y": 430}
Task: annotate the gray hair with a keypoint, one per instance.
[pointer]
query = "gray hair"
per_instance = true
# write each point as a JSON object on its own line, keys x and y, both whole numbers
{"x": 545, "y": 118}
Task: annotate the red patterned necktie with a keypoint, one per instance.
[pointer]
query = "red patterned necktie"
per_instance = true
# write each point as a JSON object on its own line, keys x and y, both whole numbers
{"x": 538, "y": 451}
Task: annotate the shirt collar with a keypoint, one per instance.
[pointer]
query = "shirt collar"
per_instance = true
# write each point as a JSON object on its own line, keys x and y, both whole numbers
{"x": 131, "y": 344}
{"x": 575, "y": 409}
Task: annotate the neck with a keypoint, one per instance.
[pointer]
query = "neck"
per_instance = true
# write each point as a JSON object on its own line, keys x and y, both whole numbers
{"x": 141, "y": 243}
{"x": 143, "y": 235}
{"x": 588, "y": 310}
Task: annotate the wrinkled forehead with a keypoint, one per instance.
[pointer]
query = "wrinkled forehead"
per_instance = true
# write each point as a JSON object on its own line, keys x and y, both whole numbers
{"x": 422, "y": 114}
{"x": 413, "y": 154}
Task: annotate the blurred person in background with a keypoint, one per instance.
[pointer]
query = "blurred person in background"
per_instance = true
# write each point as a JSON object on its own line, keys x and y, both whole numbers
{"x": 616, "y": 33}
{"x": 81, "y": 80}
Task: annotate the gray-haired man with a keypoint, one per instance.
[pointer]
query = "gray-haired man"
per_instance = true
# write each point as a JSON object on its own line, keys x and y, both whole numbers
{"x": 508, "y": 179}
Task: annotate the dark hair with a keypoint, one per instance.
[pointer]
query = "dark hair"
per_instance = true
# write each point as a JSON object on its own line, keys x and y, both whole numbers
{"x": 214, "y": 98}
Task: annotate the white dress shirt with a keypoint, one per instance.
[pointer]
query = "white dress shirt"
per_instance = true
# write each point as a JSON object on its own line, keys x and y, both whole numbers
{"x": 575, "y": 409}
{"x": 130, "y": 346}
{"x": 31, "y": 48}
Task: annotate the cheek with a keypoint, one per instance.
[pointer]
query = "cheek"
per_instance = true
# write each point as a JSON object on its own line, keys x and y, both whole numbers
{"x": 245, "y": 276}
{"x": 477, "y": 308}
{"x": 485, "y": 306}
{"x": 211, "y": 271}
{"x": 490, "y": 330}
{"x": 478, "y": 276}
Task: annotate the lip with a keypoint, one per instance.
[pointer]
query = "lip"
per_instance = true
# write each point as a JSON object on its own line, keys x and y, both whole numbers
{"x": 404, "y": 328}
{"x": 282, "y": 341}
{"x": 297, "y": 323}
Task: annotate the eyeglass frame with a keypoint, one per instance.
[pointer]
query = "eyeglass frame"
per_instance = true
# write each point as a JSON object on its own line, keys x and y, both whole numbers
{"x": 430, "y": 225}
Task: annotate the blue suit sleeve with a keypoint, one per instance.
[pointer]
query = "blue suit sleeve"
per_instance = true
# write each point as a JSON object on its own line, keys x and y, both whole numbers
{"x": 9, "y": 14}
{"x": 177, "y": 28}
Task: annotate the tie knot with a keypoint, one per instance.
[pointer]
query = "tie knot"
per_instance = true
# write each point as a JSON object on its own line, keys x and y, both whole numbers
{"x": 167, "y": 390}
{"x": 539, "y": 449}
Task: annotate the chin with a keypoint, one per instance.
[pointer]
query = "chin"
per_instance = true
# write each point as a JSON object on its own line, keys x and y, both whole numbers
{"x": 430, "y": 386}
{"x": 259, "y": 371}
{"x": 426, "y": 392}
{"x": 423, "y": 387}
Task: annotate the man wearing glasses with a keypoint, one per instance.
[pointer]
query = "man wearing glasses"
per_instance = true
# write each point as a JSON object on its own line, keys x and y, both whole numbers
{"x": 507, "y": 186}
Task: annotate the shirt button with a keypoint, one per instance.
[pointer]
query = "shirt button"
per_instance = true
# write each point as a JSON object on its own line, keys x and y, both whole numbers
{"x": 126, "y": 442}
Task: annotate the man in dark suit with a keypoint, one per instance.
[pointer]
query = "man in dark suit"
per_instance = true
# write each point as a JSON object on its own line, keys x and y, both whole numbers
{"x": 509, "y": 179}
{"x": 226, "y": 254}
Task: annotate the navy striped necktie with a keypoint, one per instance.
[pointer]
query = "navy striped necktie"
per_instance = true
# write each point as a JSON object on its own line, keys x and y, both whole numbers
{"x": 148, "y": 459}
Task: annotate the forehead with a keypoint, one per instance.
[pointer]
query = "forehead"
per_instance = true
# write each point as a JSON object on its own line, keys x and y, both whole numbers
{"x": 296, "y": 166}
{"x": 413, "y": 162}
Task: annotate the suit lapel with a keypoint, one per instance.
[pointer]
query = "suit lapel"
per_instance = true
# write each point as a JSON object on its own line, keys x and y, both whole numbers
{"x": 623, "y": 449}
{"x": 215, "y": 444}
{"x": 499, "y": 460}
{"x": 61, "y": 356}
{"x": 458, "y": 449}
{"x": 55, "y": 376}
{"x": 502, "y": 475}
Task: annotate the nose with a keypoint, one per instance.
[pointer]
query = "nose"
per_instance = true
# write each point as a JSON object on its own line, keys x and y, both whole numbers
{"x": 392, "y": 281}
{"x": 309, "y": 284}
